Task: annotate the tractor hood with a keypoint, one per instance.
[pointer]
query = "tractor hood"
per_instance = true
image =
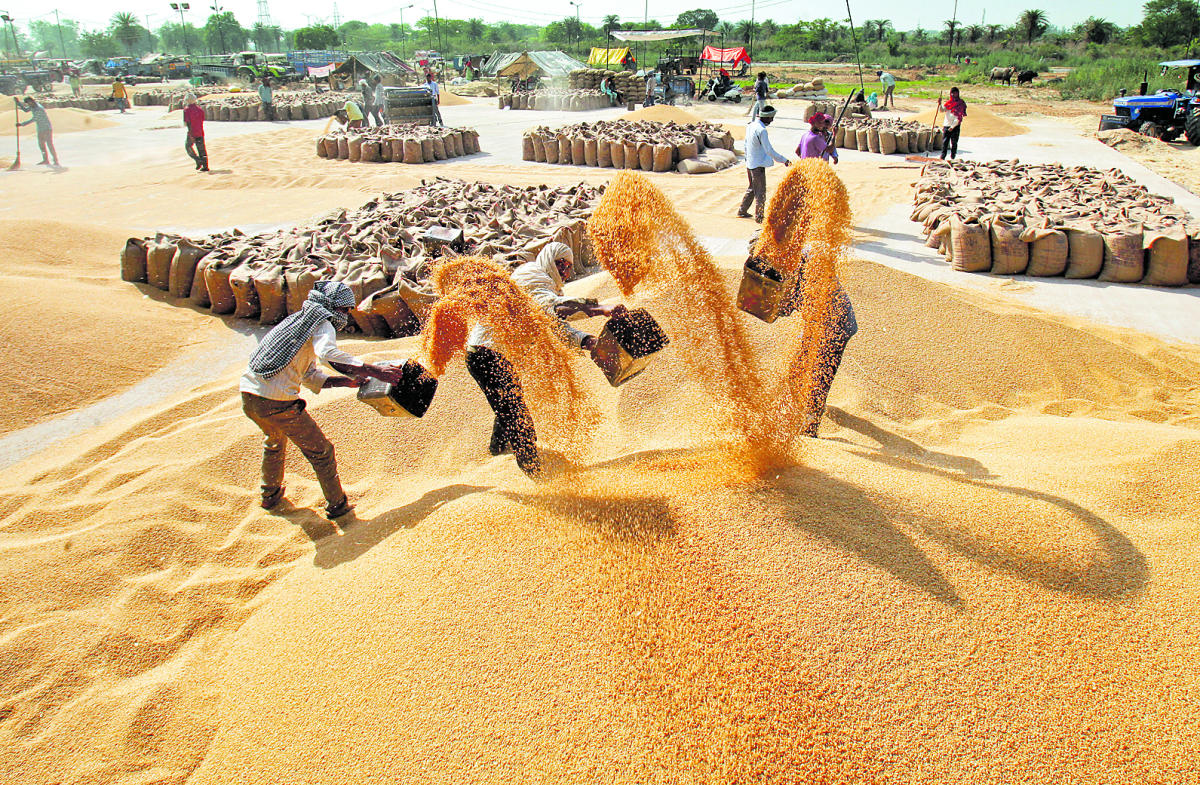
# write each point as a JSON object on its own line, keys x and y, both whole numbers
{"x": 1164, "y": 99}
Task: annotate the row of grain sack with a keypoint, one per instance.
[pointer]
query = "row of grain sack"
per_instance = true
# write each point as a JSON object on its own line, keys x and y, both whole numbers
{"x": 378, "y": 251}
{"x": 1049, "y": 220}
{"x": 886, "y": 136}
{"x": 652, "y": 146}
{"x": 815, "y": 87}
{"x": 631, "y": 86}
{"x": 247, "y": 108}
{"x": 405, "y": 143}
{"x": 555, "y": 100}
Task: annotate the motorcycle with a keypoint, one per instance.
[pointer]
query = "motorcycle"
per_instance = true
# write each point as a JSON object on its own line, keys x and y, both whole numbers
{"x": 713, "y": 91}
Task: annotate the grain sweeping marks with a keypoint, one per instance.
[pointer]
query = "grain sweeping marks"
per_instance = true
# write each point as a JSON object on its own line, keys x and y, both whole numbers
{"x": 643, "y": 242}
{"x": 480, "y": 291}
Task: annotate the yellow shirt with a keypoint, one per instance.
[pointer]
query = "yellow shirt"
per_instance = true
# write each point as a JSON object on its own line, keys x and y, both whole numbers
{"x": 118, "y": 90}
{"x": 352, "y": 111}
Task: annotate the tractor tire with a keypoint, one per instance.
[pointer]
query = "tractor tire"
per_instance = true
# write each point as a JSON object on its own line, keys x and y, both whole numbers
{"x": 1192, "y": 125}
{"x": 1152, "y": 130}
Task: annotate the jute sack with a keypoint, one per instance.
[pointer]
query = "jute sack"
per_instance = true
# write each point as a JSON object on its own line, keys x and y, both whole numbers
{"x": 695, "y": 166}
{"x": 355, "y": 144}
{"x": 183, "y": 269}
{"x": 370, "y": 151}
{"x": 1194, "y": 259}
{"x": 688, "y": 150}
{"x": 412, "y": 152}
{"x": 887, "y": 142}
{"x": 1085, "y": 251}
{"x": 526, "y": 148}
{"x": 298, "y": 282}
{"x": 632, "y": 159}
{"x": 922, "y": 140}
{"x": 268, "y": 285}
{"x": 662, "y": 157}
{"x": 385, "y": 149}
{"x": 861, "y": 139}
{"x": 550, "y": 145}
{"x": 564, "y": 149}
{"x": 220, "y": 293}
{"x": 397, "y": 145}
{"x": 539, "y": 147}
{"x": 578, "y": 151}
{"x": 158, "y": 264}
{"x": 321, "y": 153}
{"x": 1048, "y": 250}
{"x": 133, "y": 260}
{"x": 1124, "y": 258}
{"x": 245, "y": 297}
{"x": 1010, "y": 254}
{"x": 590, "y": 152}
{"x": 839, "y": 136}
{"x": 436, "y": 144}
{"x": 873, "y": 139}
{"x": 473, "y": 137}
{"x": 199, "y": 293}
{"x": 970, "y": 246}
{"x": 902, "y": 141}
{"x": 1166, "y": 257}
{"x": 646, "y": 156}
{"x": 603, "y": 154}
{"x": 935, "y": 139}
{"x": 457, "y": 142}
{"x": 617, "y": 154}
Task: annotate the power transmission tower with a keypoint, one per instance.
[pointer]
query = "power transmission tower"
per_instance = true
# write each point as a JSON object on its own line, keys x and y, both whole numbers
{"x": 264, "y": 14}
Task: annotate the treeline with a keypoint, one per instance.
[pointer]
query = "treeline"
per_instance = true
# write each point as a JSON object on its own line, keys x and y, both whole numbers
{"x": 1168, "y": 27}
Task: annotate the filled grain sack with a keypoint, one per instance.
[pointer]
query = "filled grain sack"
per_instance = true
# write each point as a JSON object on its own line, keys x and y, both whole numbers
{"x": 646, "y": 156}
{"x": 887, "y": 141}
{"x": 564, "y": 149}
{"x": 632, "y": 158}
{"x": 1166, "y": 257}
{"x": 412, "y": 152}
{"x": 539, "y": 147}
{"x": 355, "y": 143}
{"x": 1124, "y": 257}
{"x": 183, "y": 268}
{"x": 970, "y": 245}
{"x": 1010, "y": 254}
{"x": 526, "y": 148}
{"x": 245, "y": 297}
{"x": 440, "y": 153}
{"x": 158, "y": 264}
{"x": 220, "y": 293}
{"x": 861, "y": 135}
{"x": 427, "y": 153}
{"x": 590, "y": 152}
{"x": 873, "y": 139}
{"x": 662, "y": 157}
{"x": 617, "y": 154}
{"x": 603, "y": 154}
{"x": 133, "y": 260}
{"x": 269, "y": 287}
{"x": 1048, "y": 251}
{"x": 550, "y": 145}
{"x": 321, "y": 151}
{"x": 578, "y": 151}
{"x": 1085, "y": 251}
{"x": 839, "y": 136}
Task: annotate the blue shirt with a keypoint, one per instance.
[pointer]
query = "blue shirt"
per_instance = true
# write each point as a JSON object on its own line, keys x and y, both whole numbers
{"x": 759, "y": 152}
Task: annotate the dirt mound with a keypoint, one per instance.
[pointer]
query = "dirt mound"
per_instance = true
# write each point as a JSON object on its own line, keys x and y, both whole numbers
{"x": 979, "y": 122}
{"x": 64, "y": 121}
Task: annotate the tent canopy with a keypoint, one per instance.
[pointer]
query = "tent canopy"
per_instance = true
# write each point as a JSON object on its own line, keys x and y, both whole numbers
{"x": 608, "y": 56}
{"x": 523, "y": 64}
{"x": 372, "y": 62}
{"x": 655, "y": 35}
{"x": 733, "y": 56}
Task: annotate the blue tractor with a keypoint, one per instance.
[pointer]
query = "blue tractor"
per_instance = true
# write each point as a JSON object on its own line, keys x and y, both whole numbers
{"x": 1165, "y": 115}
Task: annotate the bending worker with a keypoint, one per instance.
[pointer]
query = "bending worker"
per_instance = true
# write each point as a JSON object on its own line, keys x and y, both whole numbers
{"x": 542, "y": 279}
{"x": 286, "y": 359}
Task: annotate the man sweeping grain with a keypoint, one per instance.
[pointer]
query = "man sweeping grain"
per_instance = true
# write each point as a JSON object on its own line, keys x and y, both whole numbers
{"x": 513, "y": 428}
{"x": 759, "y": 155}
{"x": 286, "y": 359}
{"x": 45, "y": 132}
{"x": 193, "y": 120}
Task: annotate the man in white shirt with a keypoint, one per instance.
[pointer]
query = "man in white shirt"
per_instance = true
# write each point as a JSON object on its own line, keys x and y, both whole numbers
{"x": 379, "y": 102}
{"x": 513, "y": 428}
{"x": 436, "y": 94}
{"x": 286, "y": 359}
{"x": 759, "y": 155}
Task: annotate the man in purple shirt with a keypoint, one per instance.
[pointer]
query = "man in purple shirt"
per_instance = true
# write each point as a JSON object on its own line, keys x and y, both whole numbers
{"x": 816, "y": 141}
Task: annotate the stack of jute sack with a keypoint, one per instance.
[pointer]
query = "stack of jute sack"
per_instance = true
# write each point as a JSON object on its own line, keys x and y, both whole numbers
{"x": 288, "y": 106}
{"x": 1009, "y": 218}
{"x": 410, "y": 143}
{"x": 649, "y": 145}
{"x": 886, "y": 136}
{"x": 631, "y": 86}
{"x": 379, "y": 250}
{"x": 173, "y": 97}
{"x": 572, "y": 100}
{"x": 823, "y": 107}
{"x": 812, "y": 89}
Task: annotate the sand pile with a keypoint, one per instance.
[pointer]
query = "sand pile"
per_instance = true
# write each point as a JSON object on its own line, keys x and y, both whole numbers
{"x": 64, "y": 121}
{"x": 979, "y": 122}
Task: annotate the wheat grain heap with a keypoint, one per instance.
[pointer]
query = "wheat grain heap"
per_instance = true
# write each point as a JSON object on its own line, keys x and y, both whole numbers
{"x": 376, "y": 250}
{"x": 649, "y": 145}
{"x": 886, "y": 136}
{"x": 1009, "y": 218}
{"x": 410, "y": 143}
{"x": 573, "y": 100}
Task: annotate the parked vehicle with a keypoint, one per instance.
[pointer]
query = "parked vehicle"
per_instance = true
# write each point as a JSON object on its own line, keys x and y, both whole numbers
{"x": 244, "y": 67}
{"x": 676, "y": 90}
{"x": 714, "y": 91}
{"x": 1164, "y": 115}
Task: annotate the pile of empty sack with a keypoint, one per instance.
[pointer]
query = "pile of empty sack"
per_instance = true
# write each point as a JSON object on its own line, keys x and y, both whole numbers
{"x": 409, "y": 143}
{"x": 886, "y": 136}
{"x": 1009, "y": 218}
{"x": 649, "y": 145}
{"x": 379, "y": 250}
{"x": 555, "y": 100}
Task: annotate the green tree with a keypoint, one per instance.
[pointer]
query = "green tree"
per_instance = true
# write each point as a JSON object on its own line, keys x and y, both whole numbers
{"x": 746, "y": 30}
{"x": 880, "y": 28}
{"x": 98, "y": 44}
{"x": 1096, "y": 31}
{"x": 973, "y": 33}
{"x": 265, "y": 37}
{"x": 702, "y": 18}
{"x": 223, "y": 32}
{"x": 316, "y": 37}
{"x": 1169, "y": 22}
{"x": 179, "y": 38}
{"x": 951, "y": 26}
{"x": 769, "y": 28}
{"x": 476, "y": 28}
{"x": 993, "y": 31}
{"x": 1033, "y": 23}
{"x": 46, "y": 36}
{"x": 125, "y": 28}
{"x": 726, "y": 29}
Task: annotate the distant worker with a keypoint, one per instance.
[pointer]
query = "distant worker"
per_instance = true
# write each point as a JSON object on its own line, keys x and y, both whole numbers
{"x": 286, "y": 359}
{"x": 267, "y": 96}
{"x": 955, "y": 109}
{"x": 889, "y": 88}
{"x": 120, "y": 94}
{"x": 350, "y": 115}
{"x": 761, "y": 86}
{"x": 759, "y": 155}
{"x": 513, "y": 428}
{"x": 435, "y": 96}
{"x": 76, "y": 83}
{"x": 606, "y": 87}
{"x": 817, "y": 142}
{"x": 368, "y": 101}
{"x": 651, "y": 88}
{"x": 193, "y": 119}
{"x": 45, "y": 133}
{"x": 379, "y": 101}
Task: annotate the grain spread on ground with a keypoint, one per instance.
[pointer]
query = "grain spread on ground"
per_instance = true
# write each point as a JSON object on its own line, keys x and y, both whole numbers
{"x": 63, "y": 121}
{"x": 979, "y": 122}
{"x": 649, "y": 145}
{"x": 378, "y": 250}
{"x": 1009, "y": 218}
{"x": 410, "y": 143}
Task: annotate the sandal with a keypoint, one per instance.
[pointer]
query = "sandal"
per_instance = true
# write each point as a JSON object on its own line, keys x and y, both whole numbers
{"x": 269, "y": 500}
{"x": 333, "y": 511}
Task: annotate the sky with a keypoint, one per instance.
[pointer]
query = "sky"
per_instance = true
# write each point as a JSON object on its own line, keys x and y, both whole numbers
{"x": 928, "y": 14}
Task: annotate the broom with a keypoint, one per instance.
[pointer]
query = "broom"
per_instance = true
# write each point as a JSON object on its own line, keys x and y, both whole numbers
{"x": 932, "y": 126}
{"x": 16, "y": 164}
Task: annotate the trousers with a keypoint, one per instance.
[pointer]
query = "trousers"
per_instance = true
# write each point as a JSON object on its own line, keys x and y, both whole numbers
{"x": 196, "y": 149}
{"x": 513, "y": 427}
{"x": 437, "y": 113}
{"x": 759, "y": 103}
{"x": 756, "y": 192}
{"x": 281, "y": 421}
{"x": 950, "y": 141}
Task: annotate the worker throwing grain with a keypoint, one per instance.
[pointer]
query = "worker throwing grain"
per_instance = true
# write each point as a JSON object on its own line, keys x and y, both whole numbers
{"x": 45, "y": 133}
{"x": 759, "y": 155}
{"x": 513, "y": 428}
{"x": 285, "y": 360}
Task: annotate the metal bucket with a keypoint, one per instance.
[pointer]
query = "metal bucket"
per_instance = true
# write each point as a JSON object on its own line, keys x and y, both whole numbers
{"x": 410, "y": 398}
{"x": 627, "y": 344}
{"x": 763, "y": 291}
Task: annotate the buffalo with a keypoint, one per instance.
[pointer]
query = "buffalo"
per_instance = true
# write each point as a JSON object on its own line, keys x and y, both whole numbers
{"x": 1026, "y": 77}
{"x": 1003, "y": 75}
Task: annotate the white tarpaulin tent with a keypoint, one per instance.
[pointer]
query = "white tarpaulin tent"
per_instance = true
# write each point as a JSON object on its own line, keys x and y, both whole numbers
{"x": 655, "y": 35}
